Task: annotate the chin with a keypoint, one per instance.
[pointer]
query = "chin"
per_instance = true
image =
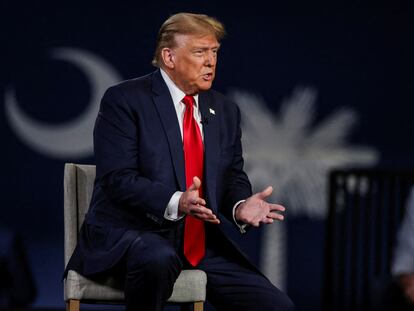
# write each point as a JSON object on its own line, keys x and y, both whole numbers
{"x": 204, "y": 86}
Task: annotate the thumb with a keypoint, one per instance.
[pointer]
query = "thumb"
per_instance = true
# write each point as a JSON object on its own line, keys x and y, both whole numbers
{"x": 265, "y": 193}
{"x": 196, "y": 184}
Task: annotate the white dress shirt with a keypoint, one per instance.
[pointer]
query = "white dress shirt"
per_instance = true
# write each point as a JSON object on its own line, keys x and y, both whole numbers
{"x": 177, "y": 95}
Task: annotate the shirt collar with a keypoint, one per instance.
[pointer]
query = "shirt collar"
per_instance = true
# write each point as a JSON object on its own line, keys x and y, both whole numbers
{"x": 176, "y": 93}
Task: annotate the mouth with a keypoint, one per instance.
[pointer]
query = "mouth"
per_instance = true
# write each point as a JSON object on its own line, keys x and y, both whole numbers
{"x": 207, "y": 77}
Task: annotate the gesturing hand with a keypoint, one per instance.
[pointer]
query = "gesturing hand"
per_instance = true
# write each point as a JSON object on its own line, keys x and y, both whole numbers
{"x": 255, "y": 210}
{"x": 190, "y": 203}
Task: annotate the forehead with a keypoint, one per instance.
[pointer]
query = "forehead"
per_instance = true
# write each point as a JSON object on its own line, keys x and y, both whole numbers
{"x": 188, "y": 40}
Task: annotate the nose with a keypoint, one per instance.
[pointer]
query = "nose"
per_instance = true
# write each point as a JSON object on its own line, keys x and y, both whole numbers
{"x": 210, "y": 59}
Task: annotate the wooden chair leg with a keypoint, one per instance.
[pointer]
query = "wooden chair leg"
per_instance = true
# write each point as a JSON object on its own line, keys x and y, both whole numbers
{"x": 198, "y": 306}
{"x": 72, "y": 305}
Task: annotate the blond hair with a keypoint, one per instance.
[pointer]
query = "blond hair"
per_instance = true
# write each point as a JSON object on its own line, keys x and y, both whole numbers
{"x": 187, "y": 24}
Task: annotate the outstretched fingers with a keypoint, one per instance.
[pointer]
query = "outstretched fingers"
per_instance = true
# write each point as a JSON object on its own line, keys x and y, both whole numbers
{"x": 205, "y": 214}
{"x": 207, "y": 217}
{"x": 276, "y": 207}
{"x": 275, "y": 216}
{"x": 265, "y": 193}
{"x": 198, "y": 210}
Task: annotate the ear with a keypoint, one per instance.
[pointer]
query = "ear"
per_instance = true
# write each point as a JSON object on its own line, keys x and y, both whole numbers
{"x": 167, "y": 56}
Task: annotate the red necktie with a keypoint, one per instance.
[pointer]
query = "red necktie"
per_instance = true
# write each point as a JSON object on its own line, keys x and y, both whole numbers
{"x": 194, "y": 234}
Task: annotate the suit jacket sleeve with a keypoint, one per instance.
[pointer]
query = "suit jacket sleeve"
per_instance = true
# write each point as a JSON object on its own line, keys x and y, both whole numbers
{"x": 116, "y": 151}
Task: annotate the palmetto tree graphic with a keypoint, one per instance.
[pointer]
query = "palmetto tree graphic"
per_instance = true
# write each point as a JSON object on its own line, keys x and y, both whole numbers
{"x": 292, "y": 153}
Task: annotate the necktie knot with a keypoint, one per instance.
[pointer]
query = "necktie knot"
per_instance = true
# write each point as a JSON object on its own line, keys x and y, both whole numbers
{"x": 188, "y": 100}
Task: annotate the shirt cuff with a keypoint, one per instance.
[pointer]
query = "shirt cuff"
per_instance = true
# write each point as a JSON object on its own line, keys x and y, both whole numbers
{"x": 171, "y": 212}
{"x": 242, "y": 227}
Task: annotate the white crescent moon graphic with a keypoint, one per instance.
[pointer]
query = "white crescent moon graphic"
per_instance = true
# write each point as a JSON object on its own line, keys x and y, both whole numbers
{"x": 72, "y": 139}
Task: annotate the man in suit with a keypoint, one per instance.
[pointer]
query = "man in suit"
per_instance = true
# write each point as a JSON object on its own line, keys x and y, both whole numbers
{"x": 169, "y": 160}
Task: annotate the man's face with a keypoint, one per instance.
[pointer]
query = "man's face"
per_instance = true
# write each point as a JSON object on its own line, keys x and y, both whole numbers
{"x": 194, "y": 60}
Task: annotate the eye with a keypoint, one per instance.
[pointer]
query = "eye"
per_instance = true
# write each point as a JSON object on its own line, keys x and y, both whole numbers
{"x": 198, "y": 52}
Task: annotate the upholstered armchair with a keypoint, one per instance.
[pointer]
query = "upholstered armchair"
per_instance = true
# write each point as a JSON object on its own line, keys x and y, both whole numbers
{"x": 190, "y": 287}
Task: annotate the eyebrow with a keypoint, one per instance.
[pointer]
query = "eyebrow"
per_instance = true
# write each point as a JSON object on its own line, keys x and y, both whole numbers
{"x": 203, "y": 47}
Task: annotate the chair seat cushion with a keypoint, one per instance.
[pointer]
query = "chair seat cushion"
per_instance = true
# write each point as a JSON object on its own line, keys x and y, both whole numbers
{"x": 189, "y": 287}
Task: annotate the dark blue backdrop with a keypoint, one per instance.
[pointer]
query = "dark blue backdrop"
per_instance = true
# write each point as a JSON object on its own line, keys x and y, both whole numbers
{"x": 356, "y": 56}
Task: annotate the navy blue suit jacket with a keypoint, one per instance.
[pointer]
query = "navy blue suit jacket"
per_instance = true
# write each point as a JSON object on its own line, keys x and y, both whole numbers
{"x": 140, "y": 165}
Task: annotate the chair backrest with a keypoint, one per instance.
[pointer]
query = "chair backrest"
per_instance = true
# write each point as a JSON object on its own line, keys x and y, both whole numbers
{"x": 365, "y": 211}
{"x": 78, "y": 186}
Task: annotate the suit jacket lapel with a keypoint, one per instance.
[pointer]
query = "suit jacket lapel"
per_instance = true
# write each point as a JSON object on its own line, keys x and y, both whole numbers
{"x": 211, "y": 147}
{"x": 165, "y": 106}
